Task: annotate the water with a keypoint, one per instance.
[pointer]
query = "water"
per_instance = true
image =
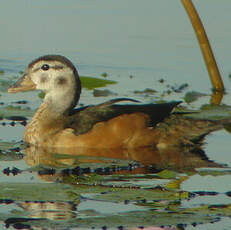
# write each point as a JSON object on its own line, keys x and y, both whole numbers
{"x": 149, "y": 40}
{"x": 132, "y": 37}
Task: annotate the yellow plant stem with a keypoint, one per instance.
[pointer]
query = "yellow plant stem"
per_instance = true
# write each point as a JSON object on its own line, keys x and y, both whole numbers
{"x": 216, "y": 97}
{"x": 206, "y": 49}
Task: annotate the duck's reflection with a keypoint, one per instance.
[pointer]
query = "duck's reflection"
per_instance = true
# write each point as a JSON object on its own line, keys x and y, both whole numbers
{"x": 182, "y": 152}
{"x": 179, "y": 147}
{"x": 114, "y": 161}
{"x": 50, "y": 210}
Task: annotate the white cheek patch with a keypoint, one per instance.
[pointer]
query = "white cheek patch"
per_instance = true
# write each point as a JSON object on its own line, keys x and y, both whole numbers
{"x": 56, "y": 78}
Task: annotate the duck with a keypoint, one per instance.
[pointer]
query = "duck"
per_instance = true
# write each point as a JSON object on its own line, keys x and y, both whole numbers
{"x": 117, "y": 123}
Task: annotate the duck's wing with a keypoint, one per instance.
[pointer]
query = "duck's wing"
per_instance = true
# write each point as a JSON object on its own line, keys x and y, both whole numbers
{"x": 83, "y": 119}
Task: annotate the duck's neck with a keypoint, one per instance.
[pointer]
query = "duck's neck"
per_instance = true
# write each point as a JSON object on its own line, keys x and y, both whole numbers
{"x": 43, "y": 124}
{"x": 61, "y": 102}
{"x": 50, "y": 118}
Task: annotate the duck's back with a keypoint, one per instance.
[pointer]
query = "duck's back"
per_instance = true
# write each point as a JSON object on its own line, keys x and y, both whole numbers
{"x": 110, "y": 125}
{"x": 83, "y": 119}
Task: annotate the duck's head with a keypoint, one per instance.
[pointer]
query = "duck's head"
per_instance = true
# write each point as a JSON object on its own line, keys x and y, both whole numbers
{"x": 53, "y": 74}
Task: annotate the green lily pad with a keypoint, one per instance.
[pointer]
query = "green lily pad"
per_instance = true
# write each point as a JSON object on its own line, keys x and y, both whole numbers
{"x": 34, "y": 192}
{"x": 137, "y": 195}
{"x": 214, "y": 173}
{"x": 89, "y": 83}
{"x": 41, "y": 95}
{"x": 167, "y": 174}
{"x": 92, "y": 82}
{"x": 16, "y": 111}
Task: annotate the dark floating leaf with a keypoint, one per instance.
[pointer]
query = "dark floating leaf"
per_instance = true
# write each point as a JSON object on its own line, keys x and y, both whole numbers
{"x": 18, "y": 222}
{"x": 228, "y": 193}
{"x": 16, "y": 118}
{"x": 104, "y": 75}
{"x": 146, "y": 91}
{"x": 103, "y": 93}
{"x": 131, "y": 76}
{"x": 212, "y": 112}
{"x": 161, "y": 80}
{"x": 24, "y": 123}
{"x": 179, "y": 89}
{"x": 6, "y": 201}
{"x": 205, "y": 193}
{"x": 10, "y": 146}
{"x": 14, "y": 171}
{"x": 6, "y": 171}
{"x": 227, "y": 127}
{"x": 46, "y": 171}
{"x": 23, "y": 102}
{"x": 218, "y": 206}
{"x": 193, "y": 96}
{"x": 213, "y": 107}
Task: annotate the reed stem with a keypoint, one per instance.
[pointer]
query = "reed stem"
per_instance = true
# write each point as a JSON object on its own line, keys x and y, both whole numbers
{"x": 206, "y": 49}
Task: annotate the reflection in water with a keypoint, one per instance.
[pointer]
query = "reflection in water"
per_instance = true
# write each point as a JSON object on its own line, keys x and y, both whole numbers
{"x": 140, "y": 160}
{"x": 155, "y": 228}
{"x": 49, "y": 210}
{"x": 179, "y": 148}
{"x": 216, "y": 97}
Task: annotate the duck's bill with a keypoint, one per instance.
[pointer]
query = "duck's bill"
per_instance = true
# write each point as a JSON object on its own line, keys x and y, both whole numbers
{"x": 23, "y": 84}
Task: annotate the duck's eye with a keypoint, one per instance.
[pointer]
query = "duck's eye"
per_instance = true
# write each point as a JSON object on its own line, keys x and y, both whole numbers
{"x": 45, "y": 67}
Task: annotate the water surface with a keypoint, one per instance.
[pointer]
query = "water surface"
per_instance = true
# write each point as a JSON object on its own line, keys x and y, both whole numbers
{"x": 136, "y": 43}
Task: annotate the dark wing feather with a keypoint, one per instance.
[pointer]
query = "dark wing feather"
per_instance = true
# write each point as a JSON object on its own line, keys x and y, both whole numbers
{"x": 83, "y": 119}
